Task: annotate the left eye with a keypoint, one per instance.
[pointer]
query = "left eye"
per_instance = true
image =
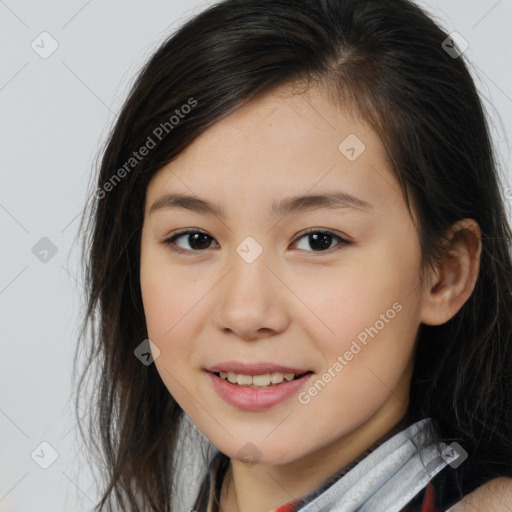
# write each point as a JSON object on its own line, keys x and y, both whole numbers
{"x": 199, "y": 240}
{"x": 323, "y": 239}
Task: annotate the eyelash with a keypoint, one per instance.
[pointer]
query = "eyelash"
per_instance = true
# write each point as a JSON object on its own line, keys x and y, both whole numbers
{"x": 170, "y": 240}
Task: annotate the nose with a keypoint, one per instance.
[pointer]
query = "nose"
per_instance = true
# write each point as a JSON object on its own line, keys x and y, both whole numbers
{"x": 253, "y": 303}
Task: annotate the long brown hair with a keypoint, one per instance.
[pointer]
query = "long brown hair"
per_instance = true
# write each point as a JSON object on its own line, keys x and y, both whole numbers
{"x": 388, "y": 59}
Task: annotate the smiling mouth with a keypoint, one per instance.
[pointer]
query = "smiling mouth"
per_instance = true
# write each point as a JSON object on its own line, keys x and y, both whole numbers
{"x": 267, "y": 380}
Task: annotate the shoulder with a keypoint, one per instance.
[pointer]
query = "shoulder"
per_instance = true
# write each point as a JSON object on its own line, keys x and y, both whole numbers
{"x": 493, "y": 496}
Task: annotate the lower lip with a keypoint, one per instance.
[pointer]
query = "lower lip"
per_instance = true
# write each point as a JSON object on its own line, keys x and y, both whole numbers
{"x": 252, "y": 399}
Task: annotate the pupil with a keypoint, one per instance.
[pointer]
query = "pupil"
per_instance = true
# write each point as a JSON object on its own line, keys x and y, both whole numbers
{"x": 323, "y": 240}
{"x": 197, "y": 236}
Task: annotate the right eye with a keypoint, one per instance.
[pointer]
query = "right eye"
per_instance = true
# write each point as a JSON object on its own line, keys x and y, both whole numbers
{"x": 197, "y": 240}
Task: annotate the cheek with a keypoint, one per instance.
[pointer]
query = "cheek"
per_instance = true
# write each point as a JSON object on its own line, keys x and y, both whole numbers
{"x": 159, "y": 304}
{"x": 365, "y": 310}
{"x": 342, "y": 302}
{"x": 168, "y": 294}
{"x": 169, "y": 313}
{"x": 171, "y": 320}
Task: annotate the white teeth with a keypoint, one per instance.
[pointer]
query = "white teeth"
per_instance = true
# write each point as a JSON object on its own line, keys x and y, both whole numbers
{"x": 276, "y": 377}
{"x": 263, "y": 380}
{"x": 260, "y": 380}
{"x": 244, "y": 380}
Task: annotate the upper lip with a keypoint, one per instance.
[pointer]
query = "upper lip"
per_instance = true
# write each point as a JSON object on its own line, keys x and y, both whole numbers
{"x": 253, "y": 368}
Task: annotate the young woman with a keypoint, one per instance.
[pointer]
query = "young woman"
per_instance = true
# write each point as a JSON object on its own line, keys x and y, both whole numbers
{"x": 297, "y": 240}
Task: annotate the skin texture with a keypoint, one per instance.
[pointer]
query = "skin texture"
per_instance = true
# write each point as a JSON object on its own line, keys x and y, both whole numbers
{"x": 295, "y": 304}
{"x": 495, "y": 496}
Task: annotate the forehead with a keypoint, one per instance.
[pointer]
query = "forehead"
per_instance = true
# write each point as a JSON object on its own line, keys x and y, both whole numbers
{"x": 281, "y": 144}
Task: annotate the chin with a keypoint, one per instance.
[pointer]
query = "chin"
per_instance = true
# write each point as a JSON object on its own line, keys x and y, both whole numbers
{"x": 260, "y": 452}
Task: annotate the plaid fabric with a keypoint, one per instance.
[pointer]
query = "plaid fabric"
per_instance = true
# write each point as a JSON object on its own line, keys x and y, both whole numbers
{"x": 424, "y": 502}
{"x": 428, "y": 500}
{"x": 289, "y": 507}
{"x": 437, "y": 496}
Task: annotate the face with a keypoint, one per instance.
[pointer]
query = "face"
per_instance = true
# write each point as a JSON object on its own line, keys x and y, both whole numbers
{"x": 265, "y": 285}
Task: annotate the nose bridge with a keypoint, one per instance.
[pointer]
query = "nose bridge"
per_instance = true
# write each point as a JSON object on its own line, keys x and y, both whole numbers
{"x": 249, "y": 300}
{"x": 249, "y": 275}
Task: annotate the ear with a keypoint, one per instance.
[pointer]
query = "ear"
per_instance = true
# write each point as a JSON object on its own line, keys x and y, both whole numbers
{"x": 453, "y": 282}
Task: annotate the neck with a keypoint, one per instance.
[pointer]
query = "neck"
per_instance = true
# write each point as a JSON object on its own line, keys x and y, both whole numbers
{"x": 262, "y": 488}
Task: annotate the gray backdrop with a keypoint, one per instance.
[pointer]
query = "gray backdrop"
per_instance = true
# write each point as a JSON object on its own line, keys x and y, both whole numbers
{"x": 66, "y": 67}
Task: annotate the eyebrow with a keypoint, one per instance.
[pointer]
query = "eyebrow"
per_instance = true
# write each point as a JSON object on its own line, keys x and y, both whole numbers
{"x": 329, "y": 200}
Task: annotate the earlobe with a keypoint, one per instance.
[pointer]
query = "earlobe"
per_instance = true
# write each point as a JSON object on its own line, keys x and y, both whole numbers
{"x": 453, "y": 281}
